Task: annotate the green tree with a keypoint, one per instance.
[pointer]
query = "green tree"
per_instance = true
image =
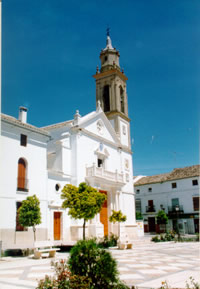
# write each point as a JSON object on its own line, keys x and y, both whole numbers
{"x": 83, "y": 202}
{"x": 162, "y": 218}
{"x": 29, "y": 213}
{"x": 139, "y": 216}
{"x": 117, "y": 216}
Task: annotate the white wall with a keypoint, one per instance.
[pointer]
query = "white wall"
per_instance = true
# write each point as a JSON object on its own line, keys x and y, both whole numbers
{"x": 35, "y": 155}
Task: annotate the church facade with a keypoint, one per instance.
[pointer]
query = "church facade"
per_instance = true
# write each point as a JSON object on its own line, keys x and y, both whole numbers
{"x": 94, "y": 148}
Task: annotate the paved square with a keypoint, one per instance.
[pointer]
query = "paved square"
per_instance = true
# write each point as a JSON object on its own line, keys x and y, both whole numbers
{"x": 143, "y": 266}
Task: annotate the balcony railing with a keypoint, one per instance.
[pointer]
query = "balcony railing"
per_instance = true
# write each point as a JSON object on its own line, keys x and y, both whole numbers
{"x": 22, "y": 184}
{"x": 175, "y": 209}
{"x": 100, "y": 172}
{"x": 150, "y": 209}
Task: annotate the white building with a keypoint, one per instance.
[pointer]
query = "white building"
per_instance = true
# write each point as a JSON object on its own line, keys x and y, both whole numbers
{"x": 176, "y": 192}
{"x": 94, "y": 148}
{"x": 23, "y": 173}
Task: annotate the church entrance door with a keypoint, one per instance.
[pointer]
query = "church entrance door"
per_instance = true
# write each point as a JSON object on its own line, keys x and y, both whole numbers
{"x": 104, "y": 215}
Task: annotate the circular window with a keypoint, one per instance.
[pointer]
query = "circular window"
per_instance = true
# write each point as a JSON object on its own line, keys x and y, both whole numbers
{"x": 57, "y": 187}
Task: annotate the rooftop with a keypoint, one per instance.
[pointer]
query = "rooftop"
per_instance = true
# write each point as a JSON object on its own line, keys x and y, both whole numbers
{"x": 12, "y": 120}
{"x": 180, "y": 173}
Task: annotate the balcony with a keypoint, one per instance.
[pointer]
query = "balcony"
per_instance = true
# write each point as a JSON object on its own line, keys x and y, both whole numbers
{"x": 96, "y": 174}
{"x": 22, "y": 184}
{"x": 150, "y": 209}
{"x": 175, "y": 210}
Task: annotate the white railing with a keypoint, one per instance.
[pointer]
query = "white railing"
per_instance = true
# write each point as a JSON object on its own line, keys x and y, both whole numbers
{"x": 95, "y": 171}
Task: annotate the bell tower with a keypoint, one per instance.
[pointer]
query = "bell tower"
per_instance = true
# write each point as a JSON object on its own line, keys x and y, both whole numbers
{"x": 111, "y": 91}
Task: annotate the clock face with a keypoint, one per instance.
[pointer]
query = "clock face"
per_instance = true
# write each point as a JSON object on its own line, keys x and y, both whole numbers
{"x": 100, "y": 126}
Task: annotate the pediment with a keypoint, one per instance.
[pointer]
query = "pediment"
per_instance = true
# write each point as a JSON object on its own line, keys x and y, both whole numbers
{"x": 97, "y": 124}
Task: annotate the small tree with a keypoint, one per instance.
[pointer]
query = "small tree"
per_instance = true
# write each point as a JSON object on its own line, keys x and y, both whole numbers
{"x": 83, "y": 202}
{"x": 117, "y": 216}
{"x": 162, "y": 218}
{"x": 139, "y": 216}
{"x": 29, "y": 213}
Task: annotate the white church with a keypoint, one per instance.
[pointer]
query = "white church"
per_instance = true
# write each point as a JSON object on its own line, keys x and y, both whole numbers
{"x": 94, "y": 148}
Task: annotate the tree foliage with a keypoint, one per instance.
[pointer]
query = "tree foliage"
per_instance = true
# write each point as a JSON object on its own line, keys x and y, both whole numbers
{"x": 139, "y": 216}
{"x": 29, "y": 213}
{"x": 162, "y": 218}
{"x": 83, "y": 202}
{"x": 86, "y": 259}
{"x": 117, "y": 216}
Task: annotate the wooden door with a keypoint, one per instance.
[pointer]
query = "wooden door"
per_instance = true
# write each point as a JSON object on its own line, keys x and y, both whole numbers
{"x": 104, "y": 215}
{"x": 57, "y": 225}
{"x": 152, "y": 224}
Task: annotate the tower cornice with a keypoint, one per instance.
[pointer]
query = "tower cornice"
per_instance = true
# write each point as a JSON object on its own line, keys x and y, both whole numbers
{"x": 117, "y": 113}
{"x": 110, "y": 72}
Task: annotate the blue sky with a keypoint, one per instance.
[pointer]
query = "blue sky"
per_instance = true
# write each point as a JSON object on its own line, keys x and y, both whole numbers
{"x": 50, "y": 50}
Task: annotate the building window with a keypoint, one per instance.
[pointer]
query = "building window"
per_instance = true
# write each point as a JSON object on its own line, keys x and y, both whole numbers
{"x": 23, "y": 140}
{"x": 22, "y": 182}
{"x": 196, "y": 203}
{"x": 106, "y": 98}
{"x": 174, "y": 185}
{"x": 150, "y": 207}
{"x": 137, "y": 191}
{"x": 150, "y": 189}
{"x": 99, "y": 163}
{"x": 18, "y": 226}
{"x": 138, "y": 205}
{"x": 195, "y": 182}
{"x": 57, "y": 187}
{"x": 122, "y": 99}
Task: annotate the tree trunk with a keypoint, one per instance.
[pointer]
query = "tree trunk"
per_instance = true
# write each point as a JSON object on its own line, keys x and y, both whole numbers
{"x": 84, "y": 229}
{"x": 34, "y": 230}
{"x": 119, "y": 230}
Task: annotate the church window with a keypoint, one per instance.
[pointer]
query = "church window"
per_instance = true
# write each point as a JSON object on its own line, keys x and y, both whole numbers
{"x": 22, "y": 182}
{"x": 106, "y": 98}
{"x": 100, "y": 163}
{"x": 106, "y": 58}
{"x": 23, "y": 140}
{"x": 57, "y": 187}
{"x": 122, "y": 99}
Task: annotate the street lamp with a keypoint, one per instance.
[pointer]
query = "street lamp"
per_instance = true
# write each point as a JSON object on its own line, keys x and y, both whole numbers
{"x": 177, "y": 214}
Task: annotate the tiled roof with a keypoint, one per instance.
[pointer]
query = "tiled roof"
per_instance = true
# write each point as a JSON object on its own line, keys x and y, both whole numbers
{"x": 57, "y": 125}
{"x": 12, "y": 120}
{"x": 176, "y": 174}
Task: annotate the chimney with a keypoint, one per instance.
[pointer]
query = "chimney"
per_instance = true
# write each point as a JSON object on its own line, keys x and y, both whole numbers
{"x": 23, "y": 114}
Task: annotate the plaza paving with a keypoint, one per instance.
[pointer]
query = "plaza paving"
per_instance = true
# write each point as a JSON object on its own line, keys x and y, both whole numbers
{"x": 147, "y": 265}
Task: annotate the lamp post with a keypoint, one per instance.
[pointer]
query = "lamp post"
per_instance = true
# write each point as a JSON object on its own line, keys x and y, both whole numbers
{"x": 177, "y": 215}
